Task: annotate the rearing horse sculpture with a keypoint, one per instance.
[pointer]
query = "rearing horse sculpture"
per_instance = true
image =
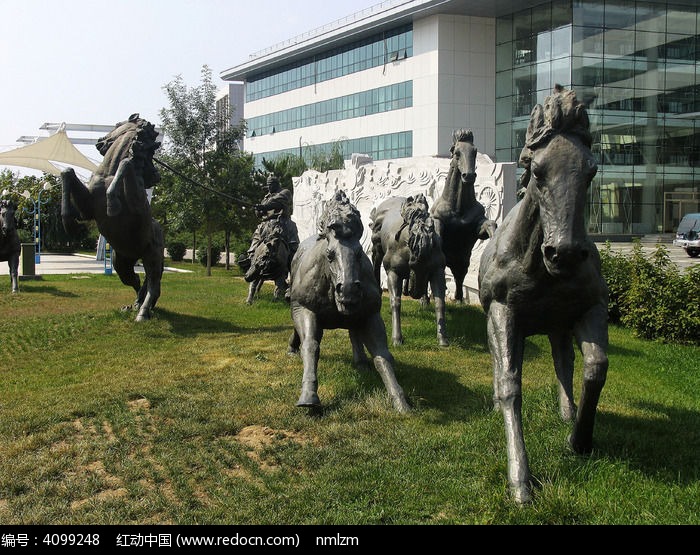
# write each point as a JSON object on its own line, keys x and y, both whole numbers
{"x": 116, "y": 199}
{"x": 459, "y": 217}
{"x": 10, "y": 246}
{"x": 541, "y": 275}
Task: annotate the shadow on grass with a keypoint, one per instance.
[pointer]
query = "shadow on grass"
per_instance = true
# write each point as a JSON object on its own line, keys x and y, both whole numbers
{"x": 426, "y": 389}
{"x": 664, "y": 446}
{"x": 187, "y": 325}
{"x": 48, "y": 290}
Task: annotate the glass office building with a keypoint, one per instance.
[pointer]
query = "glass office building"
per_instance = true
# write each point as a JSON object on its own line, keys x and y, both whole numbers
{"x": 635, "y": 64}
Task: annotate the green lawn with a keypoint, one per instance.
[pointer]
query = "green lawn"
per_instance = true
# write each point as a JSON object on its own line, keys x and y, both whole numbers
{"x": 191, "y": 419}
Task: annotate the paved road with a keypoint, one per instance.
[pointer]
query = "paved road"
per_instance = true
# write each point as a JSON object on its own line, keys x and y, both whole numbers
{"x": 82, "y": 264}
{"x": 677, "y": 254}
{"x": 71, "y": 264}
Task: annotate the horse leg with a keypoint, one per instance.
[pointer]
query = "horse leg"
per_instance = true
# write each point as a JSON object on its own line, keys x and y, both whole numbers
{"x": 13, "y": 265}
{"x": 293, "y": 343}
{"x": 458, "y": 274}
{"x": 394, "y": 283}
{"x": 438, "y": 286}
{"x": 373, "y": 335}
{"x": 310, "y": 335}
{"x": 563, "y": 356}
{"x": 76, "y": 202}
{"x": 252, "y": 290}
{"x": 153, "y": 268}
{"x": 280, "y": 288}
{"x": 359, "y": 357}
{"x": 125, "y": 270}
{"x": 126, "y": 179}
{"x": 507, "y": 346}
{"x": 592, "y": 336}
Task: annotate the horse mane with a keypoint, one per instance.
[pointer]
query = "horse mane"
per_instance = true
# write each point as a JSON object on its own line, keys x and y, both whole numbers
{"x": 340, "y": 216}
{"x": 142, "y": 135}
{"x": 461, "y": 136}
{"x": 562, "y": 112}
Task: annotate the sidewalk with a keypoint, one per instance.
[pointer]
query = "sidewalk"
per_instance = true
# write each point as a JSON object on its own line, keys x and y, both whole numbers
{"x": 73, "y": 264}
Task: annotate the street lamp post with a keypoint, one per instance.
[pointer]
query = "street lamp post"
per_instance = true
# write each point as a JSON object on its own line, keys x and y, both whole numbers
{"x": 36, "y": 210}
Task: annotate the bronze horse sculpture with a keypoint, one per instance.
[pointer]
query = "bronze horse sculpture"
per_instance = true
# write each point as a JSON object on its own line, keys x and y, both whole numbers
{"x": 10, "y": 246}
{"x": 270, "y": 261}
{"x": 460, "y": 219}
{"x": 116, "y": 199}
{"x": 333, "y": 286}
{"x": 405, "y": 243}
{"x": 541, "y": 274}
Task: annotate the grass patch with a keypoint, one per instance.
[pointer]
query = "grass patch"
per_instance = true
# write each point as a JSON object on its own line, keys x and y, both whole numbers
{"x": 190, "y": 419}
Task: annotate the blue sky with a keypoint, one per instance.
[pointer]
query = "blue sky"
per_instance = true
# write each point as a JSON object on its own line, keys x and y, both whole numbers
{"x": 97, "y": 62}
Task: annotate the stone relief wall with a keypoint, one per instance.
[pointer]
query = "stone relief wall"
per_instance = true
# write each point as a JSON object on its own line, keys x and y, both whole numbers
{"x": 368, "y": 183}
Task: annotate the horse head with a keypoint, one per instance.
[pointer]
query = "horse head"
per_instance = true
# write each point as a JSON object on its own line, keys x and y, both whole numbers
{"x": 341, "y": 227}
{"x": 559, "y": 167}
{"x": 7, "y": 216}
{"x": 134, "y": 138}
{"x": 422, "y": 242}
{"x": 463, "y": 153}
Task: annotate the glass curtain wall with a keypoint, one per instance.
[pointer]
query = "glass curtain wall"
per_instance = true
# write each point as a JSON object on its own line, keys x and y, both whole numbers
{"x": 634, "y": 63}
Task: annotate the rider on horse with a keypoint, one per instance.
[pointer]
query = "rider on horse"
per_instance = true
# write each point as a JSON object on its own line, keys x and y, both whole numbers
{"x": 275, "y": 205}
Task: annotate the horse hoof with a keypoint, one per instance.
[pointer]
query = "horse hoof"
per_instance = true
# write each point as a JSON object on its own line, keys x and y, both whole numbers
{"x": 143, "y": 317}
{"x": 400, "y": 404}
{"x": 398, "y": 342}
{"x": 309, "y": 400}
{"x": 442, "y": 341}
{"x": 521, "y": 493}
{"x": 579, "y": 447}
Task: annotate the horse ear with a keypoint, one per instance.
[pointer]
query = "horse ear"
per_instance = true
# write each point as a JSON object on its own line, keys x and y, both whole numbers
{"x": 536, "y": 125}
{"x": 133, "y": 117}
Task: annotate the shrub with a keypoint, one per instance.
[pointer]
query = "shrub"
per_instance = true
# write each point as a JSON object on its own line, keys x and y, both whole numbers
{"x": 651, "y": 296}
{"x": 616, "y": 269}
{"x": 215, "y": 254}
{"x": 176, "y": 250}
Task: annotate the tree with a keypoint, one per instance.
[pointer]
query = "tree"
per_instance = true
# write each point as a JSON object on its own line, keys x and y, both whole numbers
{"x": 204, "y": 152}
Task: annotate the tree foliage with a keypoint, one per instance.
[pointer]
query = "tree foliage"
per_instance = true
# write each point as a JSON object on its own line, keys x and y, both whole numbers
{"x": 210, "y": 168}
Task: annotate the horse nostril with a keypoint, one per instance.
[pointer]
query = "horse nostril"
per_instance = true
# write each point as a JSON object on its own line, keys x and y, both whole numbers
{"x": 339, "y": 288}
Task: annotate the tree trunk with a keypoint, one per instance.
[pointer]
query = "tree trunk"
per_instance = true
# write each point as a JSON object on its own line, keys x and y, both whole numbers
{"x": 194, "y": 245}
{"x": 208, "y": 254}
{"x": 227, "y": 246}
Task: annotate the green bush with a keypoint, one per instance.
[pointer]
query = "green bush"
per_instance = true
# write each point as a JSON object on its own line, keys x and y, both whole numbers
{"x": 651, "y": 296}
{"x": 215, "y": 254}
{"x": 176, "y": 250}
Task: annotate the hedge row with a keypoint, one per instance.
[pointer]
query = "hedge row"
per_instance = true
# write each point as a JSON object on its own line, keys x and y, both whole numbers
{"x": 651, "y": 296}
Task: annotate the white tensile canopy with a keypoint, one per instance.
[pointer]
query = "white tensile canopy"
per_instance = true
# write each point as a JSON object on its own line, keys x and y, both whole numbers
{"x": 40, "y": 155}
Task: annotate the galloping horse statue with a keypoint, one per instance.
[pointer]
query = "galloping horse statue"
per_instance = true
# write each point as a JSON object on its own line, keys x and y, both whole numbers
{"x": 10, "y": 246}
{"x": 333, "y": 286}
{"x": 541, "y": 275}
{"x": 270, "y": 261}
{"x": 460, "y": 219}
{"x": 116, "y": 199}
{"x": 405, "y": 242}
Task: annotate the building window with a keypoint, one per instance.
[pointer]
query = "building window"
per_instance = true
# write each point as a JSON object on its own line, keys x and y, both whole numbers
{"x": 379, "y": 49}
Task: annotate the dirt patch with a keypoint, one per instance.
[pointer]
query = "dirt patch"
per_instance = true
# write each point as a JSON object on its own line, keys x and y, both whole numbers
{"x": 109, "y": 432}
{"x": 256, "y": 438}
{"x": 105, "y": 495}
{"x": 137, "y": 405}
